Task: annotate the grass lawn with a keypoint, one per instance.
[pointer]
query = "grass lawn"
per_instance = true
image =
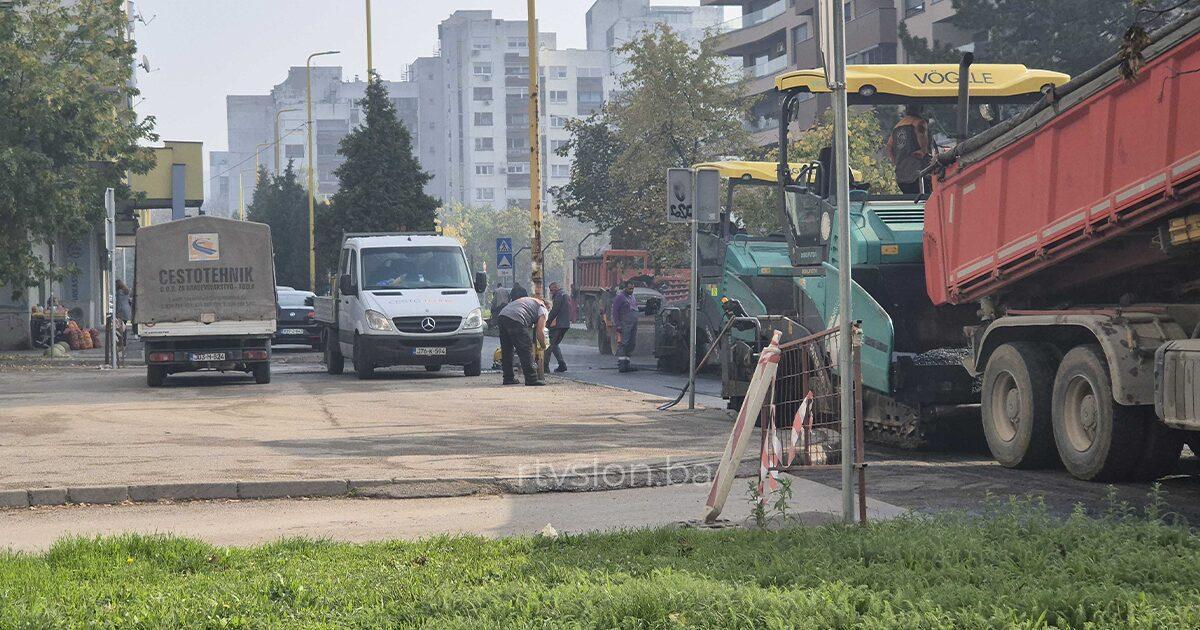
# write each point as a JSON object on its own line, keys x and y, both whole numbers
{"x": 1016, "y": 567}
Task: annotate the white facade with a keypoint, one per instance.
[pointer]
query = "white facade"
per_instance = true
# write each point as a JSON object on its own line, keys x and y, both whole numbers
{"x": 611, "y": 23}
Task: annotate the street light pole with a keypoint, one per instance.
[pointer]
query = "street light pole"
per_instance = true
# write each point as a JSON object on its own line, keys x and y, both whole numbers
{"x": 312, "y": 192}
{"x": 370, "y": 66}
{"x": 278, "y": 158}
{"x": 535, "y": 176}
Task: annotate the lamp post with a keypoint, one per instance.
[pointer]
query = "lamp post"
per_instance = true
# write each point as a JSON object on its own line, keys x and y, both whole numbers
{"x": 258, "y": 149}
{"x": 579, "y": 247}
{"x": 554, "y": 242}
{"x": 312, "y": 192}
{"x": 370, "y": 66}
{"x": 278, "y": 158}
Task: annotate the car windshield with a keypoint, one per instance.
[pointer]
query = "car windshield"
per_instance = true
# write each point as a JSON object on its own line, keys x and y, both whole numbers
{"x": 293, "y": 298}
{"x": 414, "y": 268}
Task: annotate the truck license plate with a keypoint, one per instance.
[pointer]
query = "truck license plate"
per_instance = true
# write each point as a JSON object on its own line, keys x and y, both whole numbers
{"x": 292, "y": 331}
{"x": 429, "y": 352}
{"x": 208, "y": 356}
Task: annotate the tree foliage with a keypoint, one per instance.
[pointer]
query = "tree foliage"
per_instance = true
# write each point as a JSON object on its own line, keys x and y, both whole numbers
{"x": 1065, "y": 35}
{"x": 478, "y": 227}
{"x": 676, "y": 105}
{"x": 67, "y": 131}
{"x": 381, "y": 183}
{"x": 282, "y": 203}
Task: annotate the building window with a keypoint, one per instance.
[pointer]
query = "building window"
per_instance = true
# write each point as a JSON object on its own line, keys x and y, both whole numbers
{"x": 557, "y": 96}
{"x": 518, "y": 119}
{"x": 481, "y": 44}
{"x": 848, "y": 12}
{"x": 481, "y": 69}
{"x": 590, "y": 72}
{"x": 485, "y": 194}
{"x": 913, "y": 7}
{"x": 293, "y": 151}
{"x": 591, "y": 98}
{"x": 518, "y": 168}
{"x": 517, "y": 143}
{"x": 518, "y": 42}
{"x": 483, "y": 144}
{"x": 556, "y": 72}
{"x": 517, "y": 91}
{"x": 560, "y": 170}
{"x": 555, "y": 145}
{"x": 483, "y": 119}
{"x": 516, "y": 71}
{"x": 801, "y": 33}
{"x": 558, "y": 122}
{"x": 485, "y": 169}
{"x": 482, "y": 93}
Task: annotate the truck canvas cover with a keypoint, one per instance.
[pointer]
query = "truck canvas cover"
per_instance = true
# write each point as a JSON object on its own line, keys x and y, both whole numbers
{"x": 205, "y": 269}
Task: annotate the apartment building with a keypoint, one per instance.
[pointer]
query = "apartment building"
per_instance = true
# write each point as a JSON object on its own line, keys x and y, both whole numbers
{"x": 611, "y": 23}
{"x": 251, "y": 121}
{"x": 775, "y": 36}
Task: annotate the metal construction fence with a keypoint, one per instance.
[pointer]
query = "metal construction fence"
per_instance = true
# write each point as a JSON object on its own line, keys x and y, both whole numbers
{"x": 801, "y": 424}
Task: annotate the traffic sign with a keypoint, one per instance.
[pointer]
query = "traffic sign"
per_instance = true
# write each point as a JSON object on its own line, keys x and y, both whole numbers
{"x": 679, "y": 195}
{"x": 504, "y": 261}
{"x": 708, "y": 195}
{"x": 504, "y": 245}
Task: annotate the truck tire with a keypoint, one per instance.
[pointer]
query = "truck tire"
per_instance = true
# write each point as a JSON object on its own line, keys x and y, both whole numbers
{"x": 155, "y": 375}
{"x": 603, "y": 342}
{"x": 1161, "y": 447}
{"x": 474, "y": 368}
{"x": 1015, "y": 404}
{"x": 363, "y": 368}
{"x": 262, "y": 372}
{"x": 335, "y": 363}
{"x": 1098, "y": 440}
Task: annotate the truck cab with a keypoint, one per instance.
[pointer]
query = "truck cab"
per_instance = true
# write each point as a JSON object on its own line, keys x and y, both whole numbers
{"x": 403, "y": 299}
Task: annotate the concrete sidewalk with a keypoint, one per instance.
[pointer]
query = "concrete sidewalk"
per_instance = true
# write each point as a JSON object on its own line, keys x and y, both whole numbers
{"x": 87, "y": 436}
{"x": 360, "y": 520}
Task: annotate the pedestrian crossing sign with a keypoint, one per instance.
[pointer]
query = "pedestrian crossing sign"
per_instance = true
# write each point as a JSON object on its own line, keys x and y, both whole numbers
{"x": 504, "y": 261}
{"x": 504, "y": 245}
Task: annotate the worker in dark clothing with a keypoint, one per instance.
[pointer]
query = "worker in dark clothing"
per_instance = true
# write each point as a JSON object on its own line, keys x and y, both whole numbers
{"x": 625, "y": 320}
{"x": 515, "y": 322}
{"x": 909, "y": 147}
{"x": 517, "y": 291}
{"x": 559, "y": 322}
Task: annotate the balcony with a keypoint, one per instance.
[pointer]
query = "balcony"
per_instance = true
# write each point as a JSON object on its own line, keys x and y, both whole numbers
{"x": 753, "y": 18}
{"x": 766, "y": 68}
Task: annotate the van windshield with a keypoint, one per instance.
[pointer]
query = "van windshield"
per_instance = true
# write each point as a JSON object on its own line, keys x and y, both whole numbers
{"x": 414, "y": 268}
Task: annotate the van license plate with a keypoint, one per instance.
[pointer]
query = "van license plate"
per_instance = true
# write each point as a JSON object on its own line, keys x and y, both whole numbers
{"x": 292, "y": 331}
{"x": 429, "y": 352}
{"x": 208, "y": 356}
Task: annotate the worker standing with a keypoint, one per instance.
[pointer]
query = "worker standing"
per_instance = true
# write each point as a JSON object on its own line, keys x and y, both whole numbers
{"x": 625, "y": 321}
{"x": 559, "y": 322}
{"x": 909, "y": 147}
{"x": 515, "y": 321}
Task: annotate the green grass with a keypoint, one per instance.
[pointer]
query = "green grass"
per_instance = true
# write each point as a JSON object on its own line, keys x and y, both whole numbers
{"x": 1015, "y": 567}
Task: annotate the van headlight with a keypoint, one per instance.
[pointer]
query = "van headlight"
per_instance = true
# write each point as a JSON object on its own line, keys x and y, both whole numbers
{"x": 377, "y": 321}
{"x": 474, "y": 319}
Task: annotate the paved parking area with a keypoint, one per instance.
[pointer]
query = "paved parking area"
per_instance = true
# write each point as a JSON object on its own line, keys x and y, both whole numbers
{"x": 83, "y": 427}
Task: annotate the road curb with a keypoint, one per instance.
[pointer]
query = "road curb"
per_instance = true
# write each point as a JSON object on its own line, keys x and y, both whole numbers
{"x": 599, "y": 477}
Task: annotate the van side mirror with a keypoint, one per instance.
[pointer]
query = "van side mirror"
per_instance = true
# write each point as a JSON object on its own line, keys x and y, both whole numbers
{"x": 346, "y": 285}
{"x": 480, "y": 282}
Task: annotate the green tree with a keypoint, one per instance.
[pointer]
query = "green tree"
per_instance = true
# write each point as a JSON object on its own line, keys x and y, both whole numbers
{"x": 1065, "y": 35}
{"x": 66, "y": 130}
{"x": 282, "y": 203}
{"x": 381, "y": 183}
{"x": 676, "y": 105}
{"x": 478, "y": 227}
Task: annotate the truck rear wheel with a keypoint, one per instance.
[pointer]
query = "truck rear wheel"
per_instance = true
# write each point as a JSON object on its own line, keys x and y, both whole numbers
{"x": 1098, "y": 440}
{"x": 155, "y": 375}
{"x": 262, "y": 372}
{"x": 603, "y": 343}
{"x": 1016, "y": 405}
{"x": 335, "y": 363}
{"x": 363, "y": 368}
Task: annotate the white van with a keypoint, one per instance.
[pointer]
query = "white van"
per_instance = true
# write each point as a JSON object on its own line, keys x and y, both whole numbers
{"x": 403, "y": 299}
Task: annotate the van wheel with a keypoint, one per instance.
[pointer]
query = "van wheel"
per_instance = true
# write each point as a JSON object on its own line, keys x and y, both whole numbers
{"x": 1015, "y": 405}
{"x": 362, "y": 363}
{"x": 433, "y": 368}
{"x": 335, "y": 363}
{"x": 262, "y": 373}
{"x": 474, "y": 368}
{"x": 155, "y": 375}
{"x": 1098, "y": 440}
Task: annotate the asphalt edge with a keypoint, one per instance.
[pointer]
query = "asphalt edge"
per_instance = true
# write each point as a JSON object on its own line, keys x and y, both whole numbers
{"x": 611, "y": 477}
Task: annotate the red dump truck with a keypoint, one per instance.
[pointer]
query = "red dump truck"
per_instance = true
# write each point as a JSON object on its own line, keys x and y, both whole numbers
{"x": 596, "y": 279}
{"x": 1075, "y": 228}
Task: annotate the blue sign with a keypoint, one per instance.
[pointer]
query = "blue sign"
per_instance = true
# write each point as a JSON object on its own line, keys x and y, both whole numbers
{"x": 504, "y": 245}
{"x": 504, "y": 261}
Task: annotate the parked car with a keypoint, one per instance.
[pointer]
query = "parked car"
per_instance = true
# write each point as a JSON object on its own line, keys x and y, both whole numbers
{"x": 297, "y": 322}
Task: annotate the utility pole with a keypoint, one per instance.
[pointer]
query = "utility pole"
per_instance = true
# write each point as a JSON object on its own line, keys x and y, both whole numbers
{"x": 842, "y": 161}
{"x": 370, "y": 66}
{"x": 535, "y": 176}
{"x": 312, "y": 188}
